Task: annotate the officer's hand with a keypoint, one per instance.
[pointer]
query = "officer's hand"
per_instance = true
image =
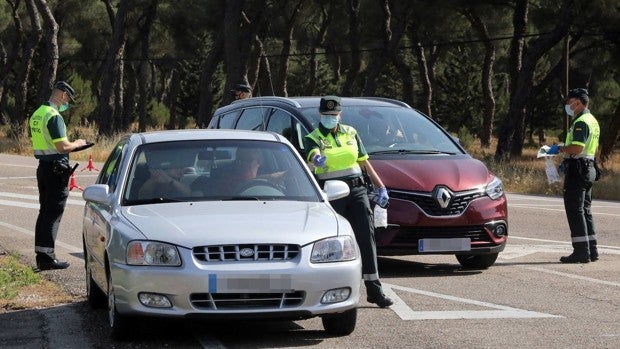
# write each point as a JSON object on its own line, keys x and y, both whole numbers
{"x": 554, "y": 149}
{"x": 382, "y": 197}
{"x": 319, "y": 160}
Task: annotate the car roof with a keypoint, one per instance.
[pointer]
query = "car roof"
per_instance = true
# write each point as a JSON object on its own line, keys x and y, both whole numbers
{"x": 299, "y": 102}
{"x": 201, "y": 134}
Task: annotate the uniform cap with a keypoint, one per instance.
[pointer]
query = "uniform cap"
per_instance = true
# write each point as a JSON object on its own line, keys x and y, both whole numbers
{"x": 242, "y": 88}
{"x": 580, "y": 93}
{"x": 65, "y": 87}
{"x": 330, "y": 105}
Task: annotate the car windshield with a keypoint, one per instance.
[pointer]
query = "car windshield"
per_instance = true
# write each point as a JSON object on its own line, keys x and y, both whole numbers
{"x": 217, "y": 170}
{"x": 394, "y": 130}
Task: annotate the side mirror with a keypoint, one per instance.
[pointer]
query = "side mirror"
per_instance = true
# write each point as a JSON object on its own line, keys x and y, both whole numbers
{"x": 97, "y": 193}
{"x": 336, "y": 189}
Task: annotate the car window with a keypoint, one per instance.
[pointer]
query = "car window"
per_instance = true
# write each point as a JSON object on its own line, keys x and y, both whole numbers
{"x": 398, "y": 129}
{"x": 284, "y": 123}
{"x": 110, "y": 170}
{"x": 228, "y": 120}
{"x": 217, "y": 170}
{"x": 251, "y": 119}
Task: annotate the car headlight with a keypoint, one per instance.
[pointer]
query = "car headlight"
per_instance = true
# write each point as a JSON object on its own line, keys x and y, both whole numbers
{"x": 334, "y": 249}
{"x": 495, "y": 189}
{"x": 152, "y": 253}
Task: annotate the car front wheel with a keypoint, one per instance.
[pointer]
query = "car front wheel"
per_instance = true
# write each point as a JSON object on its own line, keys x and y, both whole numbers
{"x": 481, "y": 261}
{"x": 341, "y": 324}
{"x": 95, "y": 296}
{"x": 119, "y": 325}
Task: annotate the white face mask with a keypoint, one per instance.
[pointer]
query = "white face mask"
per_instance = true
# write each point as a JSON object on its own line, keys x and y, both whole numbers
{"x": 568, "y": 110}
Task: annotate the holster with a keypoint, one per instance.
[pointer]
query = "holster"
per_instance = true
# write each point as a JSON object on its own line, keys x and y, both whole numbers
{"x": 62, "y": 168}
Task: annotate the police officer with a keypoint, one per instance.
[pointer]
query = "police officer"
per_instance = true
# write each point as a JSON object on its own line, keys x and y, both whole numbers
{"x": 580, "y": 171}
{"x": 241, "y": 91}
{"x": 51, "y": 146}
{"x": 336, "y": 152}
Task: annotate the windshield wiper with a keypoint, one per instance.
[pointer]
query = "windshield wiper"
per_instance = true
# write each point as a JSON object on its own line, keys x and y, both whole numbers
{"x": 159, "y": 200}
{"x": 241, "y": 198}
{"x": 407, "y": 151}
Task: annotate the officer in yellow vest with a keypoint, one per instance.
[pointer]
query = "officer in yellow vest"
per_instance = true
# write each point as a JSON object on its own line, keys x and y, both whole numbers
{"x": 51, "y": 146}
{"x": 336, "y": 152}
{"x": 580, "y": 171}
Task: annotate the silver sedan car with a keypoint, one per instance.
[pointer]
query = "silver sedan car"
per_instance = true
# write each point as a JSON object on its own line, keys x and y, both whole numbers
{"x": 217, "y": 223}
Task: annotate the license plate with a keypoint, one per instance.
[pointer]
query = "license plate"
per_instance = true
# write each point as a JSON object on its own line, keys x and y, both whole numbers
{"x": 444, "y": 245}
{"x": 258, "y": 283}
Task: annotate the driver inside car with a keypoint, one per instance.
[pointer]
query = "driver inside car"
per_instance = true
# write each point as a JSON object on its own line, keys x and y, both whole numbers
{"x": 244, "y": 169}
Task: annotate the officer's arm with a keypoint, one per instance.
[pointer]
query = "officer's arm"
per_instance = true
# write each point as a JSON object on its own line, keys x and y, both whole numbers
{"x": 572, "y": 149}
{"x": 580, "y": 135}
{"x": 65, "y": 146}
{"x": 374, "y": 177}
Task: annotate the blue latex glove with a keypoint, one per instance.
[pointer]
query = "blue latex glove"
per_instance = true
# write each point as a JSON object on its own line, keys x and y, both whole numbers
{"x": 319, "y": 160}
{"x": 554, "y": 149}
{"x": 382, "y": 197}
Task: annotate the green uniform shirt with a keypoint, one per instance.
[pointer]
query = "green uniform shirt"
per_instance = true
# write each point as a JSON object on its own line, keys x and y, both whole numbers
{"x": 586, "y": 132}
{"x": 47, "y": 127}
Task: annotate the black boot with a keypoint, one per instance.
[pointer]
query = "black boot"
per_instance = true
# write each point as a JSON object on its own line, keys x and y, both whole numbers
{"x": 594, "y": 255}
{"x": 576, "y": 258}
{"x": 382, "y": 301}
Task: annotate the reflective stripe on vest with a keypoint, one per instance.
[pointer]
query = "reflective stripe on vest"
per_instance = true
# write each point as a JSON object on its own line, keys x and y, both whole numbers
{"x": 42, "y": 142}
{"x": 341, "y": 160}
{"x": 594, "y": 133}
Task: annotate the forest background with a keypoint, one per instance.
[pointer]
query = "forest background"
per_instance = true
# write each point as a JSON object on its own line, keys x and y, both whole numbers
{"x": 493, "y": 72}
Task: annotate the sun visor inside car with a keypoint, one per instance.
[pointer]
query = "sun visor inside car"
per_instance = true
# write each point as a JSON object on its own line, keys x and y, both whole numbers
{"x": 165, "y": 159}
{"x": 214, "y": 155}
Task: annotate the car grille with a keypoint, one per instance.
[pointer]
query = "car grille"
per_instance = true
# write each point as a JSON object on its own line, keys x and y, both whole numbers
{"x": 458, "y": 203}
{"x": 411, "y": 236}
{"x": 246, "y": 252}
{"x": 233, "y": 301}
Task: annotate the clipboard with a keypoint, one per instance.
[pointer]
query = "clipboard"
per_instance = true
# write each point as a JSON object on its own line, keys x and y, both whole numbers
{"x": 85, "y": 146}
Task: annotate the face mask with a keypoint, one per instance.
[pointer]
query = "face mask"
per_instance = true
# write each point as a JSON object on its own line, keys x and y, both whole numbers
{"x": 63, "y": 107}
{"x": 329, "y": 121}
{"x": 568, "y": 110}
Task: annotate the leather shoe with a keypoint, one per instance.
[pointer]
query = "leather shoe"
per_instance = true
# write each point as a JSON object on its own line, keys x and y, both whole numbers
{"x": 574, "y": 258}
{"x": 593, "y": 256}
{"x": 382, "y": 302}
{"x": 55, "y": 264}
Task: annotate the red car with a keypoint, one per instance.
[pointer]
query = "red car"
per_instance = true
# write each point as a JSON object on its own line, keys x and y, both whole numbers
{"x": 442, "y": 201}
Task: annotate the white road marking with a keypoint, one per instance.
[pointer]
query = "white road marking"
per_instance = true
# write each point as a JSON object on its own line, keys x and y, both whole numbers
{"x": 573, "y": 276}
{"x": 500, "y": 312}
{"x": 66, "y": 246}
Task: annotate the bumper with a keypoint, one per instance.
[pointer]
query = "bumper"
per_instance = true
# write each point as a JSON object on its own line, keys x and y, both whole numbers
{"x": 279, "y": 290}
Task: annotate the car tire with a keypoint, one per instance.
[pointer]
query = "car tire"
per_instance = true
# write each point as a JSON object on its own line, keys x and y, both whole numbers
{"x": 95, "y": 296}
{"x": 481, "y": 261}
{"x": 119, "y": 325}
{"x": 341, "y": 324}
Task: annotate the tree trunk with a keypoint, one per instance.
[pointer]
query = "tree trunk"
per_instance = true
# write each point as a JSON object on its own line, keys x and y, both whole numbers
{"x": 286, "y": 50}
{"x": 50, "y": 56}
{"x": 8, "y": 59}
{"x": 317, "y": 41}
{"x": 20, "y": 116}
{"x": 206, "y": 80}
{"x": 353, "y": 72}
{"x": 111, "y": 85}
{"x": 143, "y": 69}
{"x": 487, "y": 76}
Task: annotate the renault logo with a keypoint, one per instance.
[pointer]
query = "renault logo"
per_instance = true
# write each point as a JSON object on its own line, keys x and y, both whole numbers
{"x": 443, "y": 196}
{"x": 246, "y": 252}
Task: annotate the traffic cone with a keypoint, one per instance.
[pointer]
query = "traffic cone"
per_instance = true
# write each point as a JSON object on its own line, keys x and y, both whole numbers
{"x": 90, "y": 165}
{"x": 73, "y": 183}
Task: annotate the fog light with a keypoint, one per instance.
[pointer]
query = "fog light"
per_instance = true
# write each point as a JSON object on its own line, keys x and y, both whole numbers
{"x": 499, "y": 230}
{"x": 154, "y": 300}
{"x": 336, "y": 295}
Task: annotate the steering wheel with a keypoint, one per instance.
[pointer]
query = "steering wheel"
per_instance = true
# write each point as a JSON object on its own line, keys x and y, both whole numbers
{"x": 260, "y": 187}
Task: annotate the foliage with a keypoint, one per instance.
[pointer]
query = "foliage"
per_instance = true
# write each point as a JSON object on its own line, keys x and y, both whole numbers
{"x": 14, "y": 275}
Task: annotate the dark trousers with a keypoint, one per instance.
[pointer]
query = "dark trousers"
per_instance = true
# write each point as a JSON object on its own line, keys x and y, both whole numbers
{"x": 356, "y": 209}
{"x": 577, "y": 204}
{"x": 53, "y": 194}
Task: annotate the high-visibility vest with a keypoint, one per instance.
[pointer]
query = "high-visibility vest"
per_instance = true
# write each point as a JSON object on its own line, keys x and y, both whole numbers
{"x": 594, "y": 133}
{"x": 42, "y": 142}
{"x": 342, "y": 153}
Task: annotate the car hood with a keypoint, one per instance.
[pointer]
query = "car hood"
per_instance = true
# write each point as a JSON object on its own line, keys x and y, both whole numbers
{"x": 233, "y": 222}
{"x": 423, "y": 173}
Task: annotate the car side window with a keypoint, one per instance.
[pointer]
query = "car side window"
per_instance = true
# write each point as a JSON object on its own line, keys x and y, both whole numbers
{"x": 287, "y": 125}
{"x": 110, "y": 170}
{"x": 228, "y": 120}
{"x": 251, "y": 119}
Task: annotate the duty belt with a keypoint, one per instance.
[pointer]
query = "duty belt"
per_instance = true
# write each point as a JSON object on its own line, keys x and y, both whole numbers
{"x": 352, "y": 182}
